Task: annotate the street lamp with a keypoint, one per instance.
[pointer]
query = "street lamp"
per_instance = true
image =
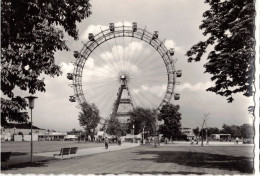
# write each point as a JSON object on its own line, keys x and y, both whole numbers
{"x": 133, "y": 133}
{"x": 31, "y": 106}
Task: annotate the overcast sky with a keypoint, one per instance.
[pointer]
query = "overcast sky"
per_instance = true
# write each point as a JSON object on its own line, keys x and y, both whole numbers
{"x": 178, "y": 22}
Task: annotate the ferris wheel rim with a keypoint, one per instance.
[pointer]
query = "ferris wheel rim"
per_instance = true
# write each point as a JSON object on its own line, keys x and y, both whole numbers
{"x": 123, "y": 31}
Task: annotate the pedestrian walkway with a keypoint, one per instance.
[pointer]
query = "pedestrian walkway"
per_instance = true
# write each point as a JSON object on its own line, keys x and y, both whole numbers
{"x": 44, "y": 156}
{"x": 211, "y": 143}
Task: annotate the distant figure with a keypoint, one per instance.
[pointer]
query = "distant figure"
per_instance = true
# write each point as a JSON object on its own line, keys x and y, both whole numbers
{"x": 106, "y": 142}
{"x": 166, "y": 141}
{"x": 119, "y": 141}
{"x": 192, "y": 141}
{"x": 237, "y": 140}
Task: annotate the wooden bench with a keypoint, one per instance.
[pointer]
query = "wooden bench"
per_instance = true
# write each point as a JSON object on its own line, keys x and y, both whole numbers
{"x": 5, "y": 156}
{"x": 72, "y": 151}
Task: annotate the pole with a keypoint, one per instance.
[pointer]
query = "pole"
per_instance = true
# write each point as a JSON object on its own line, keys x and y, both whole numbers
{"x": 31, "y": 140}
{"x": 143, "y": 135}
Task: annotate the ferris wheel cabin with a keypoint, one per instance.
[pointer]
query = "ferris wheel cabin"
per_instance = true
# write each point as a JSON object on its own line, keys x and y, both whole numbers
{"x": 72, "y": 99}
{"x": 76, "y": 54}
{"x": 91, "y": 37}
{"x": 171, "y": 51}
{"x": 176, "y": 96}
{"x": 155, "y": 35}
{"x": 178, "y": 73}
{"x": 111, "y": 27}
{"x": 70, "y": 76}
{"x": 134, "y": 26}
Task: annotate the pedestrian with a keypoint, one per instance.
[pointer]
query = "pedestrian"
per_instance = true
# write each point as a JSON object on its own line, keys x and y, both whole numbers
{"x": 106, "y": 142}
{"x": 237, "y": 140}
{"x": 119, "y": 141}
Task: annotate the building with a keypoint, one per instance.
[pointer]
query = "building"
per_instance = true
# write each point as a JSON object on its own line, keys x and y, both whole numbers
{"x": 21, "y": 131}
{"x": 221, "y": 137}
{"x": 188, "y": 132}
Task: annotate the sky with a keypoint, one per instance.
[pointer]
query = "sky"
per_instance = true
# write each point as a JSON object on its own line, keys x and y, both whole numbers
{"x": 178, "y": 23}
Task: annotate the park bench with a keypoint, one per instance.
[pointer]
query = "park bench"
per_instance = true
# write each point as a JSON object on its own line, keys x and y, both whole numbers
{"x": 5, "y": 156}
{"x": 67, "y": 151}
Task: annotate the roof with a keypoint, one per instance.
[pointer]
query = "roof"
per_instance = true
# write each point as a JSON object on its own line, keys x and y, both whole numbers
{"x": 21, "y": 126}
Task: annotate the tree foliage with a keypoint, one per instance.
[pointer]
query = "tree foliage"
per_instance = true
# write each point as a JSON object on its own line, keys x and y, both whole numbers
{"x": 89, "y": 117}
{"x": 229, "y": 26}
{"x": 142, "y": 118}
{"x": 172, "y": 120}
{"x": 31, "y": 32}
{"x": 234, "y": 130}
{"x": 114, "y": 127}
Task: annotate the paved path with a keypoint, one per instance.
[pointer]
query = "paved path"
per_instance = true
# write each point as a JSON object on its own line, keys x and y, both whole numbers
{"x": 15, "y": 160}
{"x": 211, "y": 143}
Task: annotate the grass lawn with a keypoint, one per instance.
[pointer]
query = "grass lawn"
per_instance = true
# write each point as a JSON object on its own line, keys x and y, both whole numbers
{"x": 149, "y": 160}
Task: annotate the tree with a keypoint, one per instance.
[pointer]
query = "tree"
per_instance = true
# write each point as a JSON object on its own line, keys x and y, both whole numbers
{"x": 196, "y": 131}
{"x": 142, "y": 119}
{"x": 229, "y": 25}
{"x": 89, "y": 118}
{"x": 247, "y": 131}
{"x": 212, "y": 130}
{"x": 171, "y": 116}
{"x": 233, "y": 130}
{"x": 114, "y": 127}
{"x": 31, "y": 33}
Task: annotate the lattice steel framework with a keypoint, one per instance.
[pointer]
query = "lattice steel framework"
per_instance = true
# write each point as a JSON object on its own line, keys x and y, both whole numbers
{"x": 123, "y": 31}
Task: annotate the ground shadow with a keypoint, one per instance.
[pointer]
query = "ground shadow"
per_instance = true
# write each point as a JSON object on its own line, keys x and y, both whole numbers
{"x": 166, "y": 173}
{"x": 204, "y": 160}
{"x": 24, "y": 165}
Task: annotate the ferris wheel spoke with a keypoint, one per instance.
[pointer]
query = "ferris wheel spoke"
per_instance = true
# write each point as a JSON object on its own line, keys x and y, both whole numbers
{"x": 134, "y": 52}
{"x": 145, "y": 98}
{"x": 151, "y": 69}
{"x": 129, "y": 49}
{"x": 145, "y": 58}
{"x": 114, "y": 58}
{"x": 99, "y": 93}
{"x": 97, "y": 80}
{"x": 120, "y": 62}
{"x": 106, "y": 99}
{"x": 98, "y": 85}
{"x": 108, "y": 59}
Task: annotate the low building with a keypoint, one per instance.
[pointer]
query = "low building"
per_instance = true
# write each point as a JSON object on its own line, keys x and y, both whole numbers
{"x": 20, "y": 131}
{"x": 188, "y": 132}
{"x": 221, "y": 137}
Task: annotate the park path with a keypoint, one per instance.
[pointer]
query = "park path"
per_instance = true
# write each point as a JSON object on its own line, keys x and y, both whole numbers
{"x": 43, "y": 156}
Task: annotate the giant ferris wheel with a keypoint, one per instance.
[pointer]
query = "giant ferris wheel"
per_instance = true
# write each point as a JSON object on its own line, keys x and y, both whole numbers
{"x": 123, "y": 67}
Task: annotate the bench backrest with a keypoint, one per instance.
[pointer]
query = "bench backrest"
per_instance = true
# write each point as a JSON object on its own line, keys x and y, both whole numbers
{"x": 65, "y": 151}
{"x": 73, "y": 150}
{"x": 5, "y": 156}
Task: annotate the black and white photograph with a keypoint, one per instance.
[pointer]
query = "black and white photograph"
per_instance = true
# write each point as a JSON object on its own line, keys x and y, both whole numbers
{"x": 130, "y": 87}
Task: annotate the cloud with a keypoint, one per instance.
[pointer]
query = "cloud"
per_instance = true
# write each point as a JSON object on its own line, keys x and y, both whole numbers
{"x": 200, "y": 86}
{"x": 95, "y": 29}
{"x": 171, "y": 44}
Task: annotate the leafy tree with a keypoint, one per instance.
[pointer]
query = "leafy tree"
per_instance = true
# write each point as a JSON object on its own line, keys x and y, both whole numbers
{"x": 247, "y": 131}
{"x": 114, "y": 127}
{"x": 212, "y": 130}
{"x": 196, "y": 131}
{"x": 89, "y": 118}
{"x": 171, "y": 116}
{"x": 142, "y": 119}
{"x": 229, "y": 26}
{"x": 31, "y": 32}
{"x": 234, "y": 130}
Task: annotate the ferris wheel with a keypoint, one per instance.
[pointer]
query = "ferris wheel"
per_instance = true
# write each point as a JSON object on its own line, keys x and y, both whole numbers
{"x": 123, "y": 67}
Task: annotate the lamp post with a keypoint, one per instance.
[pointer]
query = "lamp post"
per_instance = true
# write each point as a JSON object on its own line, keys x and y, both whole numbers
{"x": 133, "y": 133}
{"x": 31, "y": 106}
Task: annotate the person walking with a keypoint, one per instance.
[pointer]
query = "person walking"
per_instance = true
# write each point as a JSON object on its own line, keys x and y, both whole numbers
{"x": 106, "y": 142}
